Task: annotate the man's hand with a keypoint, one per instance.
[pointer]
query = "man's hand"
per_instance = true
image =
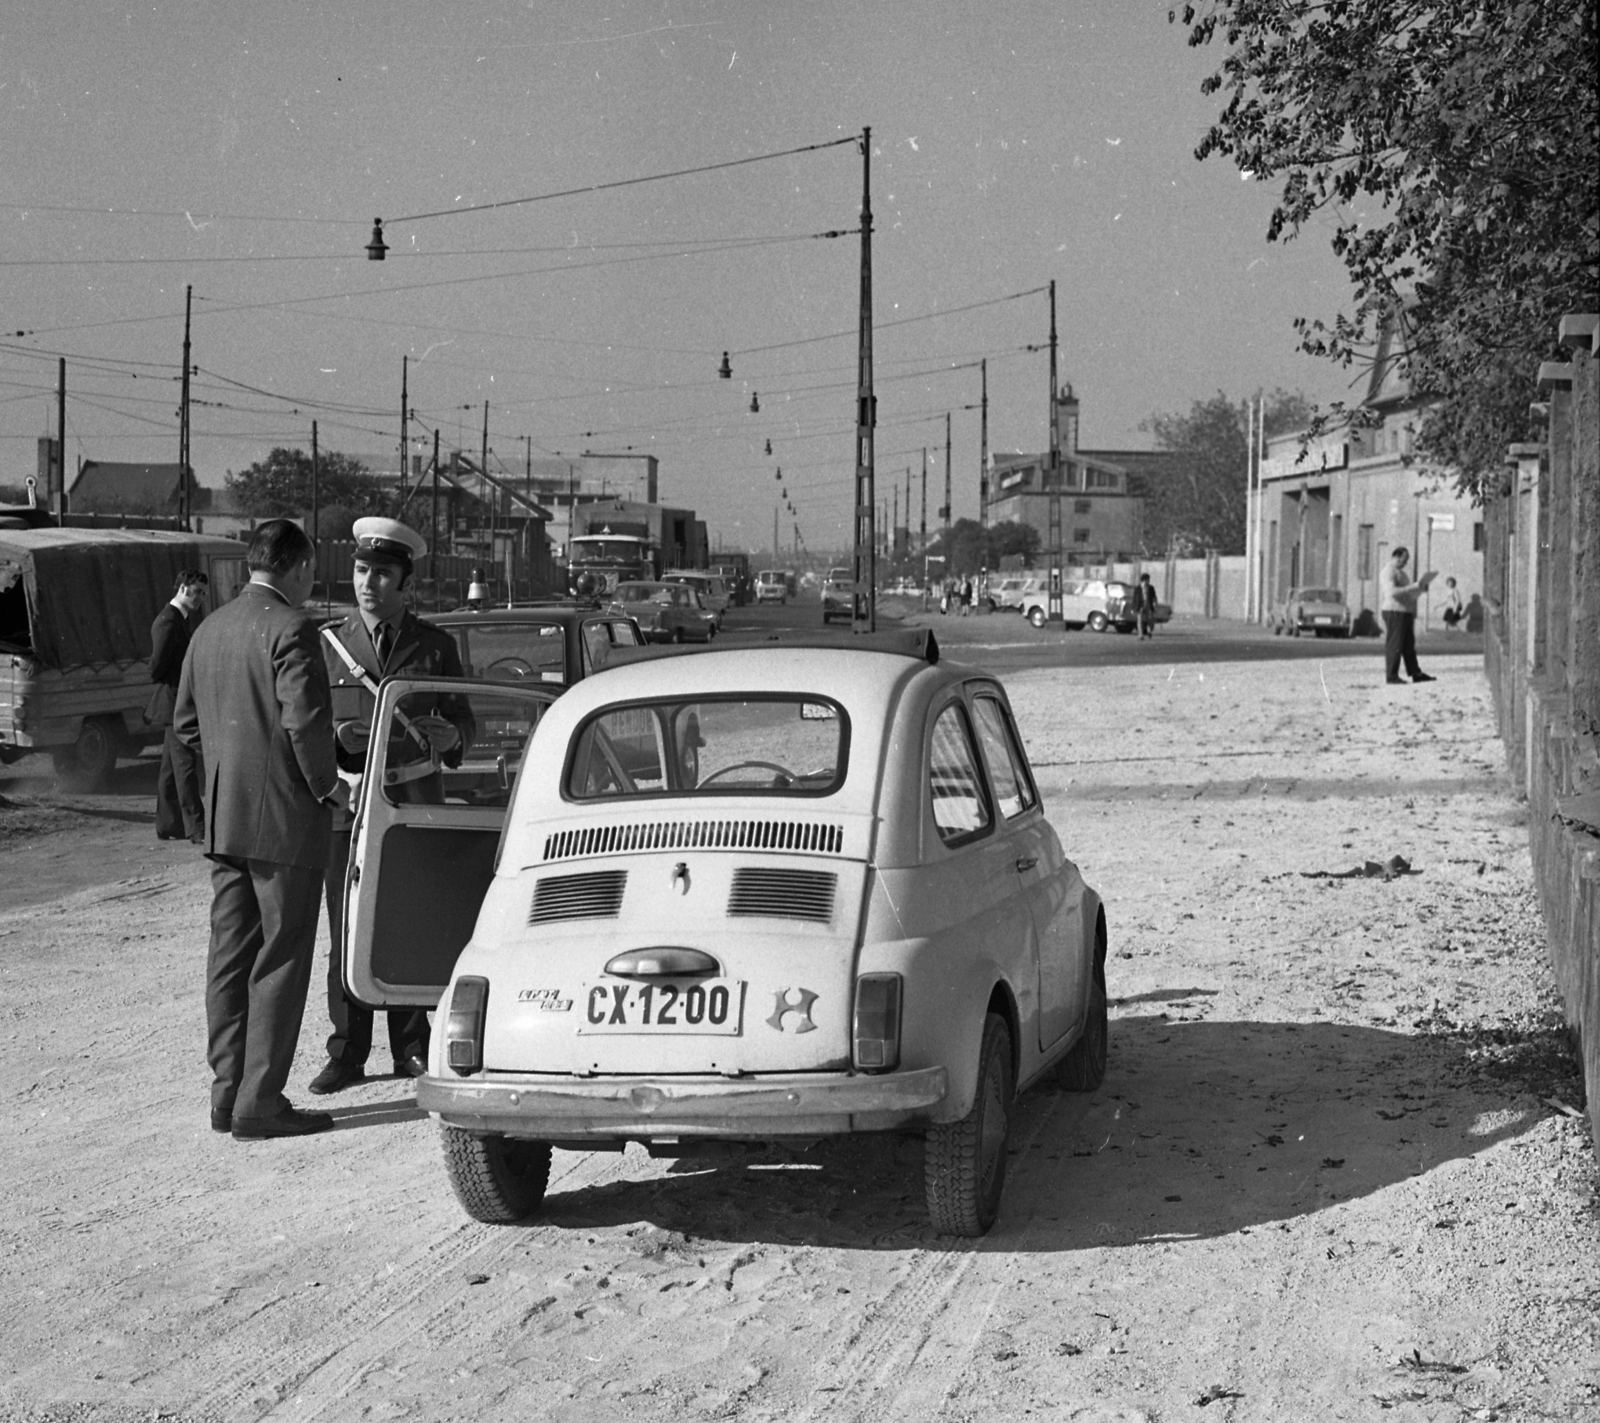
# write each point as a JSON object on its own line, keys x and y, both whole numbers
{"x": 442, "y": 735}
{"x": 353, "y": 736}
{"x": 339, "y": 796}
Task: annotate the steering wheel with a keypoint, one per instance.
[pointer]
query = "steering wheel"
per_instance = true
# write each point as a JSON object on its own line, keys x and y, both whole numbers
{"x": 509, "y": 669}
{"x": 783, "y": 773}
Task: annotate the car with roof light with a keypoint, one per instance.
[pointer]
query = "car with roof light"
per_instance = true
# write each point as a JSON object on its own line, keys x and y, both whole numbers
{"x": 712, "y": 590}
{"x": 554, "y": 643}
{"x": 665, "y": 612}
{"x": 768, "y": 894}
{"x": 1322, "y": 612}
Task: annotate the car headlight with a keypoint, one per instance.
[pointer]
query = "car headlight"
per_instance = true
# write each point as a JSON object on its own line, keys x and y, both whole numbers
{"x": 877, "y": 1022}
{"x": 463, "y": 1032}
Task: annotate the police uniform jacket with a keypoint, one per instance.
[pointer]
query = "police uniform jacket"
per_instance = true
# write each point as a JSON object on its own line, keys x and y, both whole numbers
{"x": 253, "y": 695}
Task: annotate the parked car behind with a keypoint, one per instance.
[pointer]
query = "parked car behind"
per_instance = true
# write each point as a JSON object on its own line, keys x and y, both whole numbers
{"x": 665, "y": 612}
{"x": 1098, "y": 604}
{"x": 1322, "y": 611}
{"x": 714, "y": 595}
{"x": 797, "y": 892}
{"x": 838, "y": 595}
{"x": 550, "y": 643}
{"x": 1006, "y": 594}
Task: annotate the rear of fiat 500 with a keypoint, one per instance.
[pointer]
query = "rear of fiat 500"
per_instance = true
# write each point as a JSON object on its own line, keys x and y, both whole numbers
{"x": 670, "y": 950}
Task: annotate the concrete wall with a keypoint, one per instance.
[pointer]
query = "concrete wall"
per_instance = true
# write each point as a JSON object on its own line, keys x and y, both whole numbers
{"x": 1542, "y": 656}
{"x": 1211, "y": 587}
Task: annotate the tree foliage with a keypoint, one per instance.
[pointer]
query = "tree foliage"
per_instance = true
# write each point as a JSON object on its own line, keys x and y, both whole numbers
{"x": 1200, "y": 504}
{"x": 280, "y": 486}
{"x": 974, "y": 548}
{"x": 1453, "y": 143}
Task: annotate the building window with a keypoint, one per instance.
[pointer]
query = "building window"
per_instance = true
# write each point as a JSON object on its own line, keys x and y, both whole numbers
{"x": 1080, "y": 536}
{"x": 1101, "y": 479}
{"x": 1080, "y": 506}
{"x": 1363, "y": 552}
{"x": 1477, "y": 537}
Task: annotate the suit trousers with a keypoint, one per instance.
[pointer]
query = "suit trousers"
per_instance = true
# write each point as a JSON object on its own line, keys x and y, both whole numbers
{"x": 1400, "y": 645}
{"x": 180, "y": 807}
{"x": 350, "y": 1041}
{"x": 263, "y": 942}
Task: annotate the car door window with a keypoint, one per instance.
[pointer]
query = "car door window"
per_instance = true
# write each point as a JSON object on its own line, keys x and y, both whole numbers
{"x": 1008, "y": 769}
{"x": 955, "y": 784}
{"x": 455, "y": 748}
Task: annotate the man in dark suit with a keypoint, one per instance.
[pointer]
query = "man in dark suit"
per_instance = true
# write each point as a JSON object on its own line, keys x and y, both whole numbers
{"x": 382, "y": 638}
{"x": 179, "y": 813}
{"x": 254, "y": 694}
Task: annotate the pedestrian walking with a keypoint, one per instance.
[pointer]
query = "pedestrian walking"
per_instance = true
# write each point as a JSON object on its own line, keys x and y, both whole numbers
{"x": 1144, "y": 607}
{"x": 382, "y": 638}
{"x": 966, "y": 596}
{"x": 180, "y": 813}
{"x": 1397, "y": 602}
{"x": 253, "y": 697}
{"x": 1455, "y": 611}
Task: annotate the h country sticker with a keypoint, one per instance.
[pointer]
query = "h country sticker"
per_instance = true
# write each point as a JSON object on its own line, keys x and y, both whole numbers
{"x": 782, "y": 1007}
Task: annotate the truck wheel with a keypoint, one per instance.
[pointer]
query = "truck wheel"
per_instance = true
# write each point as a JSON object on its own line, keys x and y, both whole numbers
{"x": 1084, "y": 1068}
{"x": 92, "y": 757}
{"x": 1098, "y": 622}
{"x": 497, "y": 1179}
{"x": 965, "y": 1162}
{"x": 1036, "y": 616}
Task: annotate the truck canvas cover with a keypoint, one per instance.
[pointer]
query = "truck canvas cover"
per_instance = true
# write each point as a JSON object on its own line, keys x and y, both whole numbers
{"x": 87, "y": 597}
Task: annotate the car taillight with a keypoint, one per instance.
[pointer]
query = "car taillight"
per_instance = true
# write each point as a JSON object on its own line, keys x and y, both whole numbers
{"x": 463, "y": 1033}
{"x": 877, "y": 1022}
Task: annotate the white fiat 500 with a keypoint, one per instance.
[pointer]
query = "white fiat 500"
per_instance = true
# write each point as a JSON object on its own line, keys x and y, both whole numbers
{"x": 768, "y": 894}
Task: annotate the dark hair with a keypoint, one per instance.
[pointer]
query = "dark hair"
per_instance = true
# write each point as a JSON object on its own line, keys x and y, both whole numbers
{"x": 187, "y": 577}
{"x": 1399, "y": 551}
{"x": 277, "y": 546}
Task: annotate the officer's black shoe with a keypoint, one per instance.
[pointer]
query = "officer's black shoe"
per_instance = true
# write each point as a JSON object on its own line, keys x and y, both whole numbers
{"x": 335, "y": 1077}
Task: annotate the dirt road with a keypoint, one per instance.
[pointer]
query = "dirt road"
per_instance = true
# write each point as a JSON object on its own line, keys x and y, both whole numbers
{"x": 1329, "y": 1176}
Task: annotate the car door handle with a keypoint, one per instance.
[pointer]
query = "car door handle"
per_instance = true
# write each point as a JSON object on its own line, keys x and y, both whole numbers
{"x": 1026, "y": 863}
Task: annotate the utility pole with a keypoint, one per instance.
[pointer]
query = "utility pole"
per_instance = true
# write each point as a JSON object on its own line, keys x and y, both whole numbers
{"x": 61, "y": 443}
{"x": 983, "y": 446}
{"x": 404, "y": 406}
{"x": 183, "y": 415}
{"x": 1053, "y": 478}
{"x": 491, "y": 492}
{"x": 922, "y": 532}
{"x": 433, "y": 522}
{"x": 949, "y": 568}
{"x": 864, "y": 615}
{"x": 777, "y": 553}
{"x": 316, "y": 491}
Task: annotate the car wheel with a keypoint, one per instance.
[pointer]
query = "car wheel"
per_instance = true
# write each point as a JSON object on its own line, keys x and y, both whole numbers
{"x": 677, "y": 635}
{"x": 711, "y": 632}
{"x": 1124, "y": 627}
{"x": 497, "y": 1179}
{"x": 1098, "y": 622}
{"x": 965, "y": 1162}
{"x": 989, "y": 603}
{"x": 92, "y": 757}
{"x": 1036, "y": 616}
{"x": 1084, "y": 1068}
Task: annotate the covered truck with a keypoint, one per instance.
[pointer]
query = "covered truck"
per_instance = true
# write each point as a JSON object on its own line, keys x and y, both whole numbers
{"x": 75, "y": 612}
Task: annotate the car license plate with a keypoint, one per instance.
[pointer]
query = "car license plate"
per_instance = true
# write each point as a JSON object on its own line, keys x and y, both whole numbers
{"x": 711, "y": 1007}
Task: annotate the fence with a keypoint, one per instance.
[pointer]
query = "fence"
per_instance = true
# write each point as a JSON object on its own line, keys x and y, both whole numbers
{"x": 1542, "y": 655}
{"x": 1209, "y": 587}
{"x": 448, "y": 578}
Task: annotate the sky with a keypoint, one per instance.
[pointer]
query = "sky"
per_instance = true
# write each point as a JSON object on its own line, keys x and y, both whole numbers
{"x": 245, "y": 150}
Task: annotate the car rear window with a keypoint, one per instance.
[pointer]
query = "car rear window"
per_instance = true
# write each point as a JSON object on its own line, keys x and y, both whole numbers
{"x": 514, "y": 652}
{"x": 787, "y": 745}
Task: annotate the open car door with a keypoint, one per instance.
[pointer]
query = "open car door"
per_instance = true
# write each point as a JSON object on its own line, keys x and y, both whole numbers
{"x": 441, "y": 766}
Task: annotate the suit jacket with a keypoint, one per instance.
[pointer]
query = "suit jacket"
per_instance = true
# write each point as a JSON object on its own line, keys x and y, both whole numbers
{"x": 254, "y": 697}
{"x": 169, "y": 641}
{"x": 419, "y": 650}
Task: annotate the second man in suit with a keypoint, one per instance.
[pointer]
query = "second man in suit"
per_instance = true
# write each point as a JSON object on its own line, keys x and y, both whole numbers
{"x": 382, "y": 638}
{"x": 180, "y": 814}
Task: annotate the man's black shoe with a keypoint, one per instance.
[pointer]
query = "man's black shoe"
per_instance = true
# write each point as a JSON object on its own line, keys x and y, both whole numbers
{"x": 289, "y": 1122}
{"x": 414, "y": 1066}
{"x": 335, "y": 1077}
{"x": 1424, "y": 677}
{"x": 1395, "y": 681}
{"x": 222, "y": 1119}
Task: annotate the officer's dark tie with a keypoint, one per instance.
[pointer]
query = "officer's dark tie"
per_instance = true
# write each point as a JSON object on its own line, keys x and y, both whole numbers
{"x": 383, "y": 641}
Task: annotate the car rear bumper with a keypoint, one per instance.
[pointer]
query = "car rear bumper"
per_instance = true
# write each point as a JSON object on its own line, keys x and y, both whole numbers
{"x": 641, "y": 1108}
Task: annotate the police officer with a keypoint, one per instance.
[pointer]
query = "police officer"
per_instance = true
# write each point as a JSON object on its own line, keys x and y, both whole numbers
{"x": 382, "y": 638}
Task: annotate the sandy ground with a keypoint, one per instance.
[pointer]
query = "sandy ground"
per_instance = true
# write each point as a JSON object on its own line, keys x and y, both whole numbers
{"x": 1330, "y": 1175}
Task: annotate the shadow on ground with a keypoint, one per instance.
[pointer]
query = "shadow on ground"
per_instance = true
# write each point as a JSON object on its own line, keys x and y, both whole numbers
{"x": 1200, "y": 1129}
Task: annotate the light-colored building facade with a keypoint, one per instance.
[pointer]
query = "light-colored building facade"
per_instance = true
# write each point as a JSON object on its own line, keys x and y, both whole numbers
{"x": 1333, "y": 516}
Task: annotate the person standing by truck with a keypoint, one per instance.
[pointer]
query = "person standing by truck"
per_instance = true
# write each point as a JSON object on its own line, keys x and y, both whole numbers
{"x": 180, "y": 813}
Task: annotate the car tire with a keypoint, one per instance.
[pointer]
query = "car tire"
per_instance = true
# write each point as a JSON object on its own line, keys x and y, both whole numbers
{"x": 1036, "y": 616}
{"x": 498, "y": 1180}
{"x": 711, "y": 632}
{"x": 964, "y": 1163}
{"x": 1124, "y": 627}
{"x": 677, "y": 635}
{"x": 1098, "y": 622}
{"x": 1084, "y": 1068}
{"x": 88, "y": 763}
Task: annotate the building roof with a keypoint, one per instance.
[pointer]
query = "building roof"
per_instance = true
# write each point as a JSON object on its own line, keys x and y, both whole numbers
{"x": 112, "y": 486}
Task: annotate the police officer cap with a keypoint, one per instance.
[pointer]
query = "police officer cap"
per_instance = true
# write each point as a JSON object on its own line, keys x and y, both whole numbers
{"x": 388, "y": 541}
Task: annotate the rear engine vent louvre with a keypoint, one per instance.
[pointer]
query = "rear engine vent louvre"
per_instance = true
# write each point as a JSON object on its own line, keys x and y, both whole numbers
{"x": 801, "y": 836}
{"x": 783, "y": 894}
{"x": 590, "y": 896}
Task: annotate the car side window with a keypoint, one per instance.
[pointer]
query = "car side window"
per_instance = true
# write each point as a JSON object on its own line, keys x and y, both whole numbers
{"x": 596, "y": 646}
{"x": 1008, "y": 767}
{"x": 960, "y": 798}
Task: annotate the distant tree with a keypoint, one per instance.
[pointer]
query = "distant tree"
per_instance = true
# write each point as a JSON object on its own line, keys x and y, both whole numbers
{"x": 1451, "y": 145}
{"x": 280, "y": 486}
{"x": 1010, "y": 538}
{"x": 1200, "y": 505}
{"x": 974, "y": 548}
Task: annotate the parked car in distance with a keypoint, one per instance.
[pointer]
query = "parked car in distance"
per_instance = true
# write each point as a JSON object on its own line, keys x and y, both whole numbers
{"x": 1120, "y": 608}
{"x": 734, "y": 571}
{"x": 772, "y": 586}
{"x": 838, "y": 595}
{"x": 550, "y": 643}
{"x": 777, "y": 894}
{"x": 665, "y": 612}
{"x": 1006, "y": 594}
{"x": 713, "y": 592}
{"x": 1097, "y": 604}
{"x": 1322, "y": 611}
